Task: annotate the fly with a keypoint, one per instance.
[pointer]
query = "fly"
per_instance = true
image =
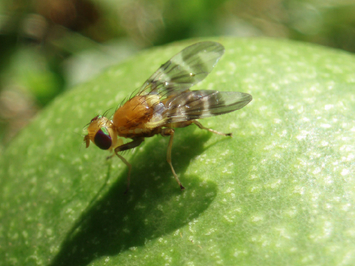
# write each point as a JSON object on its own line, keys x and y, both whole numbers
{"x": 165, "y": 102}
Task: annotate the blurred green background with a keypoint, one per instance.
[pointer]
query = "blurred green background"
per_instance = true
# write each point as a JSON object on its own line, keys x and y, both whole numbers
{"x": 47, "y": 46}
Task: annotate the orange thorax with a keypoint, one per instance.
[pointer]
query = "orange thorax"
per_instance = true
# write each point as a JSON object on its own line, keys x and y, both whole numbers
{"x": 131, "y": 118}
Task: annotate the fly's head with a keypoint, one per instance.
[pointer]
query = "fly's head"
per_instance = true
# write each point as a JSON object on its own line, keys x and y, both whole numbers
{"x": 101, "y": 132}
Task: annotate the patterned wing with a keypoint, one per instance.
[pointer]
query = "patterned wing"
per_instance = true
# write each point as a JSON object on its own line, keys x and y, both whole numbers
{"x": 192, "y": 105}
{"x": 183, "y": 70}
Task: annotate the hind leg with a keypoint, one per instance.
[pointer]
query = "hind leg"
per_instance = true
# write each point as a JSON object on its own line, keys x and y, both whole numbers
{"x": 211, "y": 130}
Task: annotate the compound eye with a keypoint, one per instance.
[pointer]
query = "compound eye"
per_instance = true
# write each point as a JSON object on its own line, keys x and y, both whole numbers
{"x": 103, "y": 139}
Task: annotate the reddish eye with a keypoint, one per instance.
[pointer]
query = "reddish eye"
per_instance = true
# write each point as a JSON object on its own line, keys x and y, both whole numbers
{"x": 103, "y": 139}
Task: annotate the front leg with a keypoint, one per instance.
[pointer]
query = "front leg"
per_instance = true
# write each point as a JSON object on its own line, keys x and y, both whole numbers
{"x": 130, "y": 145}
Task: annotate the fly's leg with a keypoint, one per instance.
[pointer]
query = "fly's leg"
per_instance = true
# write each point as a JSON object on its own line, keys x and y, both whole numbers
{"x": 129, "y": 169}
{"x": 170, "y": 132}
{"x": 130, "y": 145}
{"x": 211, "y": 130}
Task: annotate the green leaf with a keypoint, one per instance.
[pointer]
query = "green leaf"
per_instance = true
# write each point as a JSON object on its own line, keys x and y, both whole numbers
{"x": 280, "y": 192}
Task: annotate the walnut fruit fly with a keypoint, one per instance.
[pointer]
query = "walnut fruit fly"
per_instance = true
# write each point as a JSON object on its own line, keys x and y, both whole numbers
{"x": 165, "y": 102}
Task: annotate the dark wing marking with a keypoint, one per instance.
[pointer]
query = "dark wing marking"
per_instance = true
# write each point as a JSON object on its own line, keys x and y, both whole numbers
{"x": 183, "y": 70}
{"x": 192, "y": 105}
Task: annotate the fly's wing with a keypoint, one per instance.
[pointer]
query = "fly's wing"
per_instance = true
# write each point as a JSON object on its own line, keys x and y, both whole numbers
{"x": 183, "y": 70}
{"x": 192, "y": 105}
